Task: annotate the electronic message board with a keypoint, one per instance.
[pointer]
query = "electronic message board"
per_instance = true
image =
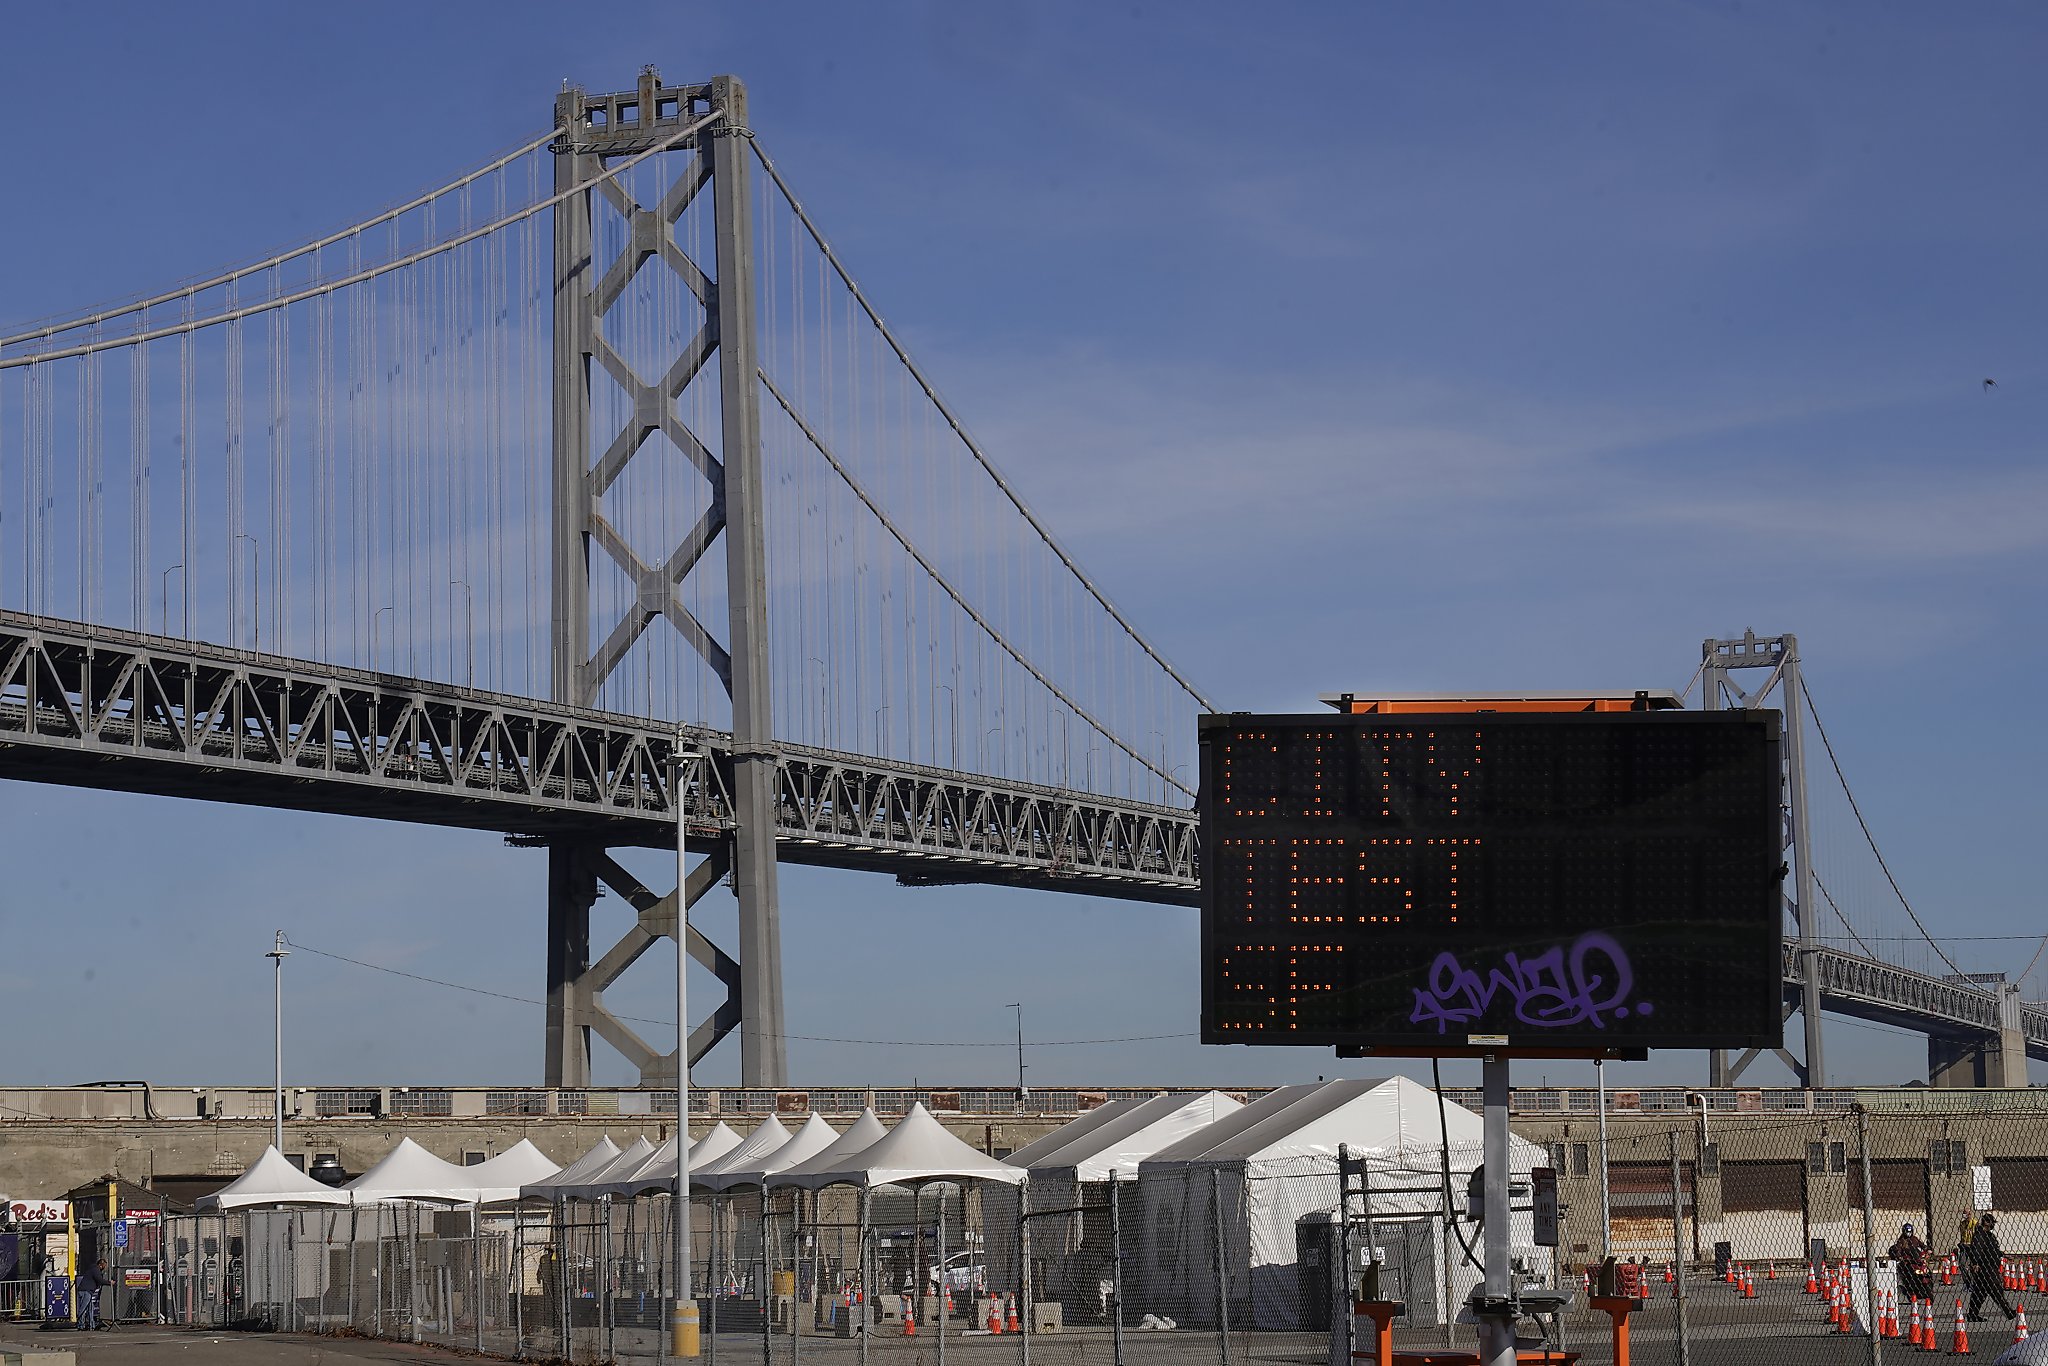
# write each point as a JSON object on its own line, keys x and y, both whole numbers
{"x": 1526, "y": 881}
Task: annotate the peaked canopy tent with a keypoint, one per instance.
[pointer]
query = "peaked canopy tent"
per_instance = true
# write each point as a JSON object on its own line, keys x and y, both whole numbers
{"x": 410, "y": 1172}
{"x": 596, "y": 1183}
{"x": 599, "y": 1157}
{"x": 739, "y": 1163}
{"x": 1273, "y": 1167}
{"x": 1076, "y": 1165}
{"x": 918, "y": 1151}
{"x": 656, "y": 1170}
{"x": 499, "y": 1180}
{"x": 270, "y": 1181}
{"x": 861, "y": 1135}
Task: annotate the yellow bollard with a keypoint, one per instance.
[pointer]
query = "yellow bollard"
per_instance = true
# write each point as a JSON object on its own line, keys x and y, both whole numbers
{"x": 682, "y": 1331}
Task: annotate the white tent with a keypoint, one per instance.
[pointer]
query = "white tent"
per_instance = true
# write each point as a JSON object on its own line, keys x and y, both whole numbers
{"x": 581, "y": 1169}
{"x": 918, "y": 1150}
{"x": 410, "y": 1172}
{"x": 1273, "y": 1165}
{"x": 740, "y": 1164}
{"x": 817, "y": 1170}
{"x": 499, "y": 1180}
{"x": 597, "y": 1182}
{"x": 1102, "y": 1146}
{"x": 271, "y": 1180}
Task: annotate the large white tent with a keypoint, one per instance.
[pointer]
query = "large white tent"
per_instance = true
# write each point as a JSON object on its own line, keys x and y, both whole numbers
{"x": 499, "y": 1180}
{"x": 1273, "y": 1166}
{"x": 270, "y": 1181}
{"x": 1071, "y": 1167}
{"x": 813, "y": 1138}
{"x": 410, "y": 1172}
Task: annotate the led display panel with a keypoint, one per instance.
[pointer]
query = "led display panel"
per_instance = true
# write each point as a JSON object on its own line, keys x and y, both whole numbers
{"x": 1530, "y": 881}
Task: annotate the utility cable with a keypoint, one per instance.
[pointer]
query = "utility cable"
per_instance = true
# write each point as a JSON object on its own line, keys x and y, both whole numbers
{"x": 805, "y": 1038}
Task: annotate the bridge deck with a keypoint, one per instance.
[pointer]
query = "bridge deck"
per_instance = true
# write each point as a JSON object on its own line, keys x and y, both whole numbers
{"x": 93, "y": 707}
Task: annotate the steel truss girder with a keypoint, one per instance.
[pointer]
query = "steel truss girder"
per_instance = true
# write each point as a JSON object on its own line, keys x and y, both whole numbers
{"x": 98, "y": 707}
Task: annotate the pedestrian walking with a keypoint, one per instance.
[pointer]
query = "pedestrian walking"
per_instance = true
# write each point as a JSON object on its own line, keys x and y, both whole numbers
{"x": 1986, "y": 1263}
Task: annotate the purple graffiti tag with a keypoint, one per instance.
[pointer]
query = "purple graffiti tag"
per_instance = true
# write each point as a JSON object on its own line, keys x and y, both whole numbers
{"x": 1554, "y": 989}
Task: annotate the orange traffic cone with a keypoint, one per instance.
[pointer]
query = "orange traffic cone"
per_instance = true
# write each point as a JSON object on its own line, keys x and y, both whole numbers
{"x": 1771, "y": 1272}
{"x": 1015, "y": 1327}
{"x": 2019, "y": 1326}
{"x": 1748, "y": 1285}
{"x": 910, "y": 1319}
{"x": 1668, "y": 1277}
{"x": 1961, "y": 1346}
{"x": 1948, "y": 1272}
{"x": 1847, "y": 1323}
{"x": 1812, "y": 1281}
{"x": 1890, "y": 1325}
{"x": 1913, "y": 1337}
{"x": 995, "y": 1314}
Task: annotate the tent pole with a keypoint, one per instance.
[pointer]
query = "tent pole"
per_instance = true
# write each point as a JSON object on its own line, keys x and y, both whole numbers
{"x": 717, "y": 1277}
{"x": 476, "y": 1276}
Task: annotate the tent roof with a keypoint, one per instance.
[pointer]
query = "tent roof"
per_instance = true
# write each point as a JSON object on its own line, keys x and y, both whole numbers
{"x": 581, "y": 1169}
{"x": 271, "y": 1180}
{"x": 1388, "y": 1116}
{"x": 500, "y": 1179}
{"x": 1073, "y": 1131}
{"x": 743, "y": 1159}
{"x": 593, "y": 1184}
{"x": 861, "y": 1135}
{"x": 1113, "y": 1150}
{"x": 813, "y": 1138}
{"x": 657, "y": 1171}
{"x": 919, "y": 1149}
{"x": 410, "y": 1172}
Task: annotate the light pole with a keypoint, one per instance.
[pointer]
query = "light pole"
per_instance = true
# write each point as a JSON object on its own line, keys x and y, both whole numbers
{"x": 1022, "y": 1089}
{"x": 376, "y": 665}
{"x": 165, "y": 577}
{"x": 683, "y": 1338}
{"x": 276, "y": 955}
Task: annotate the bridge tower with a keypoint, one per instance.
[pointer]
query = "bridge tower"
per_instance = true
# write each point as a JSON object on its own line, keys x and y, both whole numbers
{"x": 598, "y": 131}
{"x": 1719, "y": 661}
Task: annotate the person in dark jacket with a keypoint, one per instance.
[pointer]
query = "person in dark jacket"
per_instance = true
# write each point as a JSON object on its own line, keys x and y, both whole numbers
{"x": 1987, "y": 1260}
{"x": 1911, "y": 1255}
{"x": 91, "y": 1282}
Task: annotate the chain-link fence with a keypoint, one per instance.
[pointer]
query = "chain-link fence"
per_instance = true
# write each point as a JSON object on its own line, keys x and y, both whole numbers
{"x": 1739, "y": 1238}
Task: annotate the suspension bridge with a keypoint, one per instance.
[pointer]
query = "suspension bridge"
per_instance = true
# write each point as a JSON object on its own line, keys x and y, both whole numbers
{"x": 586, "y": 497}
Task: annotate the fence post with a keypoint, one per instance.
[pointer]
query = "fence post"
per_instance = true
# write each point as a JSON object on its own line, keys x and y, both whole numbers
{"x": 1222, "y": 1273}
{"x": 1342, "y": 1291}
{"x": 1678, "y": 1265}
{"x": 476, "y": 1276}
{"x": 1024, "y": 1310}
{"x": 865, "y": 1309}
{"x": 1871, "y": 1315}
{"x": 1116, "y": 1268}
{"x": 516, "y": 1282}
{"x": 766, "y": 1293}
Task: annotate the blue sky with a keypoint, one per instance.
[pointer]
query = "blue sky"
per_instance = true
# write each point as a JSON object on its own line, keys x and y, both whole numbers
{"x": 1352, "y": 346}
